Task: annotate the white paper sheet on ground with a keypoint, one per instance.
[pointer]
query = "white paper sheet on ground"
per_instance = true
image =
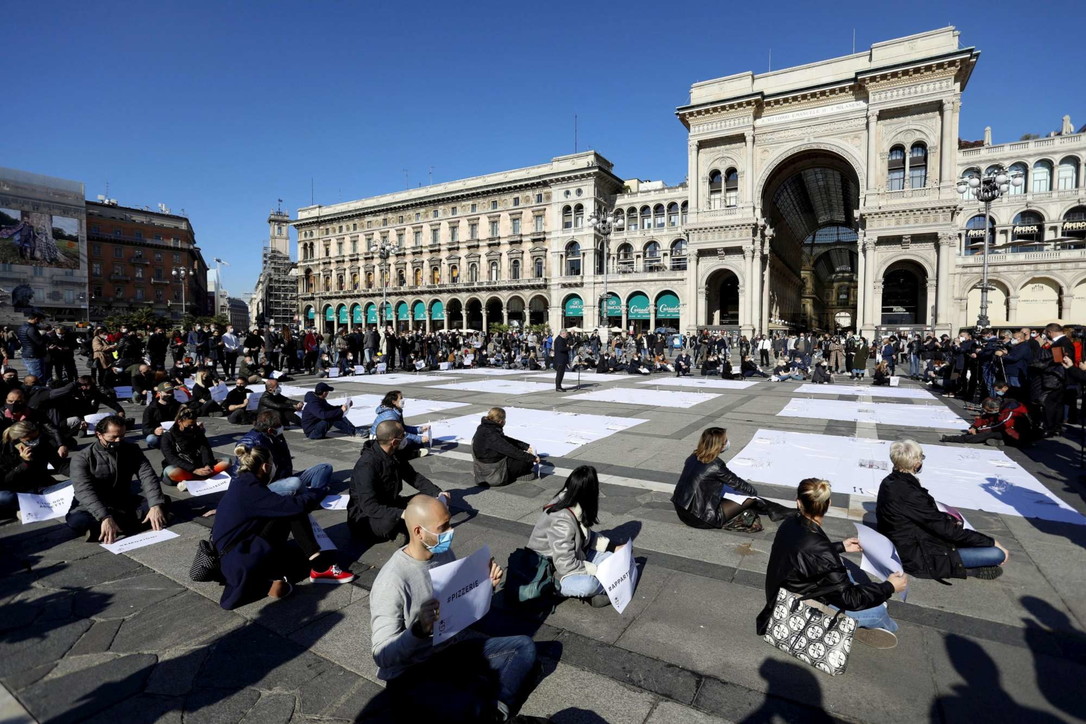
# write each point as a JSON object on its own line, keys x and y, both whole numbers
{"x": 912, "y": 393}
{"x": 642, "y": 396}
{"x": 253, "y": 400}
{"x": 335, "y": 502}
{"x": 551, "y": 433}
{"x": 54, "y": 502}
{"x": 123, "y": 393}
{"x": 396, "y": 379}
{"x": 93, "y": 419}
{"x": 738, "y": 498}
{"x": 487, "y": 371}
{"x": 880, "y": 558}
{"x": 881, "y": 413}
{"x": 190, "y": 382}
{"x": 132, "y": 542}
{"x": 951, "y": 510}
{"x": 219, "y": 392}
{"x": 276, "y": 374}
{"x": 618, "y": 576}
{"x": 333, "y": 372}
{"x": 217, "y": 483}
{"x": 979, "y": 478}
{"x": 463, "y": 591}
{"x": 699, "y": 382}
{"x": 323, "y": 541}
{"x": 497, "y": 386}
{"x": 586, "y": 376}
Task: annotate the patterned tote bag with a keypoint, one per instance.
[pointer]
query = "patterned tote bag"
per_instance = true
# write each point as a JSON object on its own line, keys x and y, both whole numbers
{"x": 811, "y": 632}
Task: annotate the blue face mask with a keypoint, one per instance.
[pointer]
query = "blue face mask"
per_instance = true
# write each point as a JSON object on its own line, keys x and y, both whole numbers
{"x": 444, "y": 541}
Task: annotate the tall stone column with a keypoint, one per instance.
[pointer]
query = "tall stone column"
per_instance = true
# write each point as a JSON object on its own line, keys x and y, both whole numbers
{"x": 748, "y": 311}
{"x": 876, "y": 303}
{"x": 694, "y": 181}
{"x": 748, "y": 172}
{"x": 764, "y": 317}
{"x": 861, "y": 281}
{"x": 946, "y": 243}
{"x": 872, "y": 149}
{"x": 947, "y": 140}
{"x": 930, "y": 300}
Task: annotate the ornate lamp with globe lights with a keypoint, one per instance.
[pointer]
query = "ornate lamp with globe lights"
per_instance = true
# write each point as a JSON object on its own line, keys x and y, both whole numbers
{"x": 994, "y": 183}
{"x": 385, "y": 250}
{"x": 605, "y": 223}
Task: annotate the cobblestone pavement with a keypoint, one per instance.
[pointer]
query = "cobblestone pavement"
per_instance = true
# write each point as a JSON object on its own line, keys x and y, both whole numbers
{"x": 88, "y": 636}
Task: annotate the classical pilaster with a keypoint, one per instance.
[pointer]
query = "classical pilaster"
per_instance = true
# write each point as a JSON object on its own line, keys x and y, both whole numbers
{"x": 748, "y": 171}
{"x": 876, "y": 304}
{"x": 945, "y": 246}
{"x": 861, "y": 281}
{"x": 872, "y": 149}
{"x": 749, "y": 284}
{"x": 948, "y": 139}
{"x": 694, "y": 180}
{"x": 1012, "y": 309}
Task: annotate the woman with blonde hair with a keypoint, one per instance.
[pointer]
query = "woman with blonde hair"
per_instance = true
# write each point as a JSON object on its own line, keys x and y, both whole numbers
{"x": 251, "y": 528}
{"x": 805, "y": 562}
{"x": 25, "y": 457}
{"x": 699, "y": 495}
{"x": 498, "y": 459}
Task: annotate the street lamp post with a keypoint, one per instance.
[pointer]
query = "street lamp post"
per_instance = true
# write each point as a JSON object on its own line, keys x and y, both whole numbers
{"x": 181, "y": 274}
{"x": 385, "y": 250}
{"x": 987, "y": 188}
{"x": 605, "y": 223}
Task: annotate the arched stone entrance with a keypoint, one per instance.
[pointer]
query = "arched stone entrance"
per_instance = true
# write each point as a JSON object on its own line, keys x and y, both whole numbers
{"x": 722, "y": 298}
{"x": 454, "y": 314}
{"x": 495, "y": 312}
{"x": 538, "y": 310}
{"x": 473, "y": 314}
{"x": 904, "y": 294}
{"x": 515, "y": 312}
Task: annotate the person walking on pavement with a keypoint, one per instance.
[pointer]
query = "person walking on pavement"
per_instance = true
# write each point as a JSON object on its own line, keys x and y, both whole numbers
{"x": 561, "y": 359}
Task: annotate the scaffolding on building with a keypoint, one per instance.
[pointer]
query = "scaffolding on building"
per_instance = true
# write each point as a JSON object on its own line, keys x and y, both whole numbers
{"x": 277, "y": 288}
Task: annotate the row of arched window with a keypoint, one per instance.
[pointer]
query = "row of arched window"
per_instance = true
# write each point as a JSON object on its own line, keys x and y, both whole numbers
{"x": 1038, "y": 178}
{"x": 625, "y": 258}
{"x": 1027, "y": 228}
{"x": 658, "y": 216}
{"x": 723, "y": 188}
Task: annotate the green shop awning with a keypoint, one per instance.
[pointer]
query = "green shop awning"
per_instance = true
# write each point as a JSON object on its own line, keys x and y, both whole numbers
{"x": 401, "y": 311}
{"x": 613, "y": 306}
{"x": 667, "y": 306}
{"x": 437, "y": 311}
{"x": 356, "y": 314}
{"x": 329, "y": 314}
{"x": 371, "y": 314}
{"x": 343, "y": 315}
{"x": 310, "y": 313}
{"x": 639, "y": 306}
{"x": 574, "y": 307}
{"x": 419, "y": 312}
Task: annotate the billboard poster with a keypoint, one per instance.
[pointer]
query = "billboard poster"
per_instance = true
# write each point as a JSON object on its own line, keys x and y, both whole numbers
{"x": 34, "y": 238}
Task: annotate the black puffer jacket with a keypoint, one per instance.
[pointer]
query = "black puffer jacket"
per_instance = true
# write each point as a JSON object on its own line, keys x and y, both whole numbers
{"x": 926, "y": 538}
{"x": 805, "y": 562}
{"x": 700, "y": 489}
{"x": 491, "y": 444}
{"x": 187, "y": 451}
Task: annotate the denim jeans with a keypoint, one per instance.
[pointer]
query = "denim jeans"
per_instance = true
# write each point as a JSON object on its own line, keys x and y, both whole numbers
{"x": 35, "y": 366}
{"x": 981, "y": 557}
{"x": 316, "y": 477}
{"x": 321, "y": 428}
{"x": 153, "y": 442}
{"x": 874, "y": 617}
{"x": 914, "y": 365}
{"x": 583, "y": 585}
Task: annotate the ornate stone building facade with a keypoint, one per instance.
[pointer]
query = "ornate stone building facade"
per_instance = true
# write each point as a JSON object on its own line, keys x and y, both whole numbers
{"x": 817, "y": 197}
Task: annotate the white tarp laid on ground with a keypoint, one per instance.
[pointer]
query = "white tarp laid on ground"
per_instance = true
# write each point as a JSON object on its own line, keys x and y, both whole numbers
{"x": 364, "y": 408}
{"x": 881, "y": 413}
{"x": 642, "y": 396}
{"x": 586, "y": 376}
{"x": 711, "y": 383}
{"x": 551, "y": 433}
{"x": 498, "y": 386}
{"x": 393, "y": 380}
{"x": 486, "y": 371}
{"x": 912, "y": 393}
{"x": 974, "y": 478}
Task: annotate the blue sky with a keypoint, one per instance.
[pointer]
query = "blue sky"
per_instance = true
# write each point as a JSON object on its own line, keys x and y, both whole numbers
{"x": 220, "y": 108}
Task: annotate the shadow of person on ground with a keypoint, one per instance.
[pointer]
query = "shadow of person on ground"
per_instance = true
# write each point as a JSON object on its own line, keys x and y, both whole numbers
{"x": 793, "y": 694}
{"x": 981, "y": 696}
{"x": 1052, "y": 637}
{"x": 1058, "y": 520}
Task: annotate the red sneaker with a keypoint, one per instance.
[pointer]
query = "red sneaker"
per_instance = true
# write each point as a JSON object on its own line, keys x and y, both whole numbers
{"x": 333, "y": 575}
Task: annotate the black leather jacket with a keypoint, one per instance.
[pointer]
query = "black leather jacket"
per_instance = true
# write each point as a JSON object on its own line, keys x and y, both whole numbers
{"x": 805, "y": 562}
{"x": 700, "y": 489}
{"x": 491, "y": 444}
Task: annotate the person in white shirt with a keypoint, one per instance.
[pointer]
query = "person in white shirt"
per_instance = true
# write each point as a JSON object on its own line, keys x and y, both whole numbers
{"x": 231, "y": 346}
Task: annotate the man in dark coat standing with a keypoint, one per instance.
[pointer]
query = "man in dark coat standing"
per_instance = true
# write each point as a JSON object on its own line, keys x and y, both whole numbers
{"x": 561, "y": 359}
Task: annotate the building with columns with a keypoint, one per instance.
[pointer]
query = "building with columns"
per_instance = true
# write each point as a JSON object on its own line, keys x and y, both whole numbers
{"x": 817, "y": 197}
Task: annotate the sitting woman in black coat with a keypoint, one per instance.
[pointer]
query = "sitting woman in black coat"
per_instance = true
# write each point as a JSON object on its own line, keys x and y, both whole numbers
{"x": 931, "y": 543}
{"x": 497, "y": 458}
{"x": 25, "y": 457}
{"x": 748, "y": 368}
{"x": 804, "y": 561}
{"x": 710, "y": 366}
{"x": 882, "y": 375}
{"x": 699, "y": 495}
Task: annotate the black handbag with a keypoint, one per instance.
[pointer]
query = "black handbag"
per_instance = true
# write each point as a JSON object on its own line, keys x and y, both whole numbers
{"x": 206, "y": 564}
{"x": 529, "y": 576}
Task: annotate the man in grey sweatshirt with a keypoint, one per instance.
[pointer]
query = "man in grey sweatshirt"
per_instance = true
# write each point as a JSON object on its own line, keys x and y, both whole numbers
{"x": 477, "y": 680}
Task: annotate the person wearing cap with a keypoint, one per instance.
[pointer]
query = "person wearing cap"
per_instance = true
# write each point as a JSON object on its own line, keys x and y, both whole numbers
{"x": 33, "y": 345}
{"x": 163, "y": 409}
{"x": 318, "y": 415}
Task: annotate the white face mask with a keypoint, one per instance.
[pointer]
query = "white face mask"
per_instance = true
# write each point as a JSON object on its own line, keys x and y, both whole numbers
{"x": 727, "y": 446}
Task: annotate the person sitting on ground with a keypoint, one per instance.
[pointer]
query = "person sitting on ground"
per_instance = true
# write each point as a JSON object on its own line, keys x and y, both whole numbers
{"x": 109, "y": 502}
{"x": 318, "y": 416}
{"x": 699, "y": 495}
{"x": 787, "y": 371}
{"x": 683, "y": 365}
{"x": 236, "y": 404}
{"x": 477, "y": 679}
{"x": 931, "y": 543}
{"x": 143, "y": 381}
{"x": 660, "y": 364}
{"x": 497, "y": 458}
{"x": 249, "y": 370}
{"x": 726, "y": 372}
{"x": 881, "y": 377}
{"x": 16, "y": 410}
{"x": 186, "y": 453}
{"x": 637, "y": 366}
{"x": 163, "y": 409}
{"x": 267, "y": 432}
{"x": 201, "y": 400}
{"x": 1002, "y": 421}
{"x": 274, "y": 400}
{"x": 82, "y": 398}
{"x": 415, "y": 437}
{"x": 25, "y": 457}
{"x": 323, "y": 365}
{"x": 821, "y": 374}
{"x": 250, "y": 533}
{"x": 181, "y": 371}
{"x": 563, "y": 534}
{"x": 803, "y": 561}
{"x": 375, "y": 507}
{"x": 749, "y": 369}
{"x": 710, "y": 366}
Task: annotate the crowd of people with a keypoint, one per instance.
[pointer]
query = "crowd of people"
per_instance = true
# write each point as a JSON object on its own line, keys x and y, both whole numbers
{"x": 1024, "y": 381}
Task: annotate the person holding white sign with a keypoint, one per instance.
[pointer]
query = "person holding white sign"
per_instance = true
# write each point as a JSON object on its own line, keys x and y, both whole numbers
{"x": 415, "y": 438}
{"x": 186, "y": 453}
{"x": 472, "y": 680}
{"x": 563, "y": 533}
{"x": 163, "y": 409}
{"x": 805, "y": 562}
{"x": 25, "y": 458}
{"x": 931, "y": 543}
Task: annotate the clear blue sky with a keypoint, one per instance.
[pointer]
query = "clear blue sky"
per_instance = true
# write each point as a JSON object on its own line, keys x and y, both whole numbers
{"x": 222, "y": 108}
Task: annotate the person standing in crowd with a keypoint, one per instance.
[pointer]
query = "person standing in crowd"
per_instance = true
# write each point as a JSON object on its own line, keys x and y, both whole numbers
{"x": 157, "y": 346}
{"x": 563, "y": 534}
{"x": 375, "y": 508}
{"x": 859, "y": 358}
{"x": 931, "y": 543}
{"x": 33, "y": 345}
{"x": 251, "y": 528}
{"x": 163, "y": 409}
{"x": 561, "y": 359}
{"x": 803, "y": 561}
{"x": 1050, "y": 382}
{"x": 267, "y": 432}
{"x": 498, "y": 459}
{"x": 109, "y": 502}
{"x": 415, "y": 437}
{"x": 274, "y": 400}
{"x": 102, "y": 360}
{"x": 478, "y": 679}
{"x": 25, "y": 457}
{"x": 186, "y": 453}
{"x": 318, "y": 416}
{"x": 231, "y": 346}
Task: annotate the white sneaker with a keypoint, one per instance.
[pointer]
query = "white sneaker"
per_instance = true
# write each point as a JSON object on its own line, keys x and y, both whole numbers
{"x": 423, "y": 452}
{"x": 876, "y": 638}
{"x": 182, "y": 487}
